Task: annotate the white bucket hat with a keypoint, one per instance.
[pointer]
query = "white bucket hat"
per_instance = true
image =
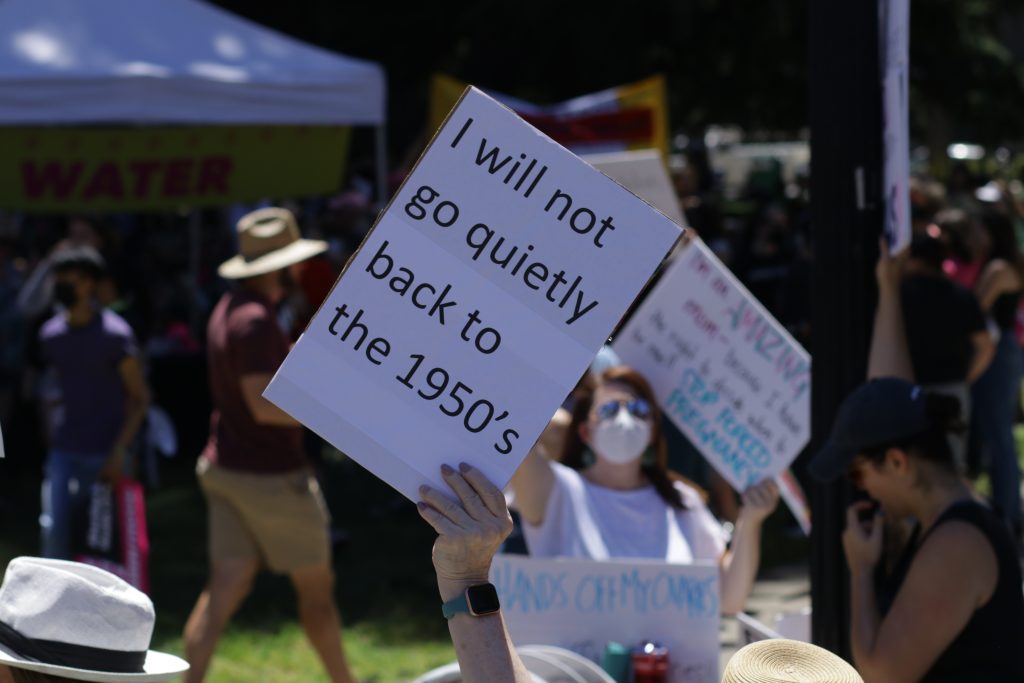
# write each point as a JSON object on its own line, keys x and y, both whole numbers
{"x": 79, "y": 622}
{"x": 268, "y": 240}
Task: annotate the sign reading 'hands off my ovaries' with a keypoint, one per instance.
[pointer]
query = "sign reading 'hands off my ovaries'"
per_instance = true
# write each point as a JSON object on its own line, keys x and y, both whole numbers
{"x": 474, "y": 305}
{"x": 725, "y": 372}
{"x": 582, "y": 605}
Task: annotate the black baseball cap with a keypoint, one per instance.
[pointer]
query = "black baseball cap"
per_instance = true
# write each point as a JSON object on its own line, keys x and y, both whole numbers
{"x": 877, "y": 412}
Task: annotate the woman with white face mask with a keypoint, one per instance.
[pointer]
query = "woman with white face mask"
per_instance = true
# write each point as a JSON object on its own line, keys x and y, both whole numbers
{"x": 612, "y": 495}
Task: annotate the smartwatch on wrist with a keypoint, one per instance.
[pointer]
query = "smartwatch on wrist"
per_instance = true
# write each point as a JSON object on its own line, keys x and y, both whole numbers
{"x": 477, "y": 601}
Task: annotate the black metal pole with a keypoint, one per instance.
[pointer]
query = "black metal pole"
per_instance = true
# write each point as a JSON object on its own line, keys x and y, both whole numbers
{"x": 846, "y": 214}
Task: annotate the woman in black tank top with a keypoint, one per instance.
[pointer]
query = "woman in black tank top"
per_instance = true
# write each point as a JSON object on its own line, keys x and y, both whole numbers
{"x": 957, "y": 604}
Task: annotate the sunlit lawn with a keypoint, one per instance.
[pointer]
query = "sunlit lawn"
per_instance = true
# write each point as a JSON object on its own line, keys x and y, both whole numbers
{"x": 377, "y": 653}
{"x": 386, "y": 591}
{"x": 385, "y": 583}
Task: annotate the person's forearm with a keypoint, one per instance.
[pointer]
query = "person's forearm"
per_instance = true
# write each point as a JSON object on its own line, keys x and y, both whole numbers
{"x": 482, "y": 644}
{"x": 135, "y": 413}
{"x": 978, "y": 366}
{"x": 270, "y": 415}
{"x": 864, "y": 622}
{"x": 532, "y": 484}
{"x": 35, "y": 295}
{"x": 739, "y": 568}
{"x": 980, "y": 361}
{"x": 889, "y": 355}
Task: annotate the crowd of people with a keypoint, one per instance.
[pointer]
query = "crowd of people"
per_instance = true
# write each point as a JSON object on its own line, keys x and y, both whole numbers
{"x": 935, "y": 572}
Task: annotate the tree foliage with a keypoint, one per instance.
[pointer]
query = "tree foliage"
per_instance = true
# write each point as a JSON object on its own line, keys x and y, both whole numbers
{"x": 727, "y": 61}
{"x": 964, "y": 70}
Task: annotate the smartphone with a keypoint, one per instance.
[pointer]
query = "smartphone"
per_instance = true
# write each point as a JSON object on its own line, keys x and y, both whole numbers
{"x": 868, "y": 514}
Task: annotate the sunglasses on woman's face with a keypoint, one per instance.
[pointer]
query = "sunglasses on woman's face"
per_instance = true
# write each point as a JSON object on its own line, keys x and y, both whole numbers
{"x": 637, "y": 407}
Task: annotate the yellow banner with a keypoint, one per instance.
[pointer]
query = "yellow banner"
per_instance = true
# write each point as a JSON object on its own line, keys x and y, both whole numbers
{"x": 445, "y": 91}
{"x": 648, "y": 95}
{"x": 160, "y": 168}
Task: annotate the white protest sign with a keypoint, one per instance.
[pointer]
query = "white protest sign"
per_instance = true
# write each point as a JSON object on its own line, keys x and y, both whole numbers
{"x": 474, "y": 305}
{"x": 582, "y": 605}
{"x": 894, "y": 25}
{"x": 643, "y": 173}
{"x": 724, "y": 371}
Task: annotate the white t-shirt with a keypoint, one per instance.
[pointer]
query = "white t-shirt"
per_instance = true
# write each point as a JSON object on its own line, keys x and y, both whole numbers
{"x": 584, "y": 520}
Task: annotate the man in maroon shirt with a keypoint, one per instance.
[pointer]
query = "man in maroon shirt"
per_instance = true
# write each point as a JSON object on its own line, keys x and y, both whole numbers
{"x": 265, "y": 506}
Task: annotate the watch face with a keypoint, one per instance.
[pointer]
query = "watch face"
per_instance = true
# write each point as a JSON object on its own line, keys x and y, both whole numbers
{"x": 482, "y": 599}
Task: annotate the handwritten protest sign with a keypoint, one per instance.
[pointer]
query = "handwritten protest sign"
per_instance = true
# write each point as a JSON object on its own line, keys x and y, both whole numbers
{"x": 725, "y": 372}
{"x": 582, "y": 605}
{"x": 642, "y": 172}
{"x": 474, "y": 305}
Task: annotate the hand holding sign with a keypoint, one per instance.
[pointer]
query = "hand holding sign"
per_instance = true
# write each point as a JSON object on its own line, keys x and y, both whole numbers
{"x": 760, "y": 500}
{"x": 470, "y": 530}
{"x": 474, "y": 304}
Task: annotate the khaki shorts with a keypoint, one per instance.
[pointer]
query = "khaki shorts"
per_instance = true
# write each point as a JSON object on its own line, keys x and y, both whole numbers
{"x": 281, "y": 519}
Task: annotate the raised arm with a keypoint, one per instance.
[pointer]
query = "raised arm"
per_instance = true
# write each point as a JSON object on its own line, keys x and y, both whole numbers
{"x": 533, "y": 481}
{"x": 739, "y": 565}
{"x": 471, "y": 528}
{"x": 889, "y": 355}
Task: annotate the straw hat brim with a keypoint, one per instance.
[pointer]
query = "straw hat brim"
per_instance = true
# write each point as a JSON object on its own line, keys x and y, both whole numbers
{"x": 159, "y": 666}
{"x": 781, "y": 661}
{"x": 237, "y": 268}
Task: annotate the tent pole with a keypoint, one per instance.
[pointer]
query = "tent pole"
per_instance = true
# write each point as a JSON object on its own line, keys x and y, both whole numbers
{"x": 382, "y": 166}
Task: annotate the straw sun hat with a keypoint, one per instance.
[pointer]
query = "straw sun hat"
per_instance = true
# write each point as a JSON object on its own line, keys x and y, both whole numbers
{"x": 268, "y": 240}
{"x": 787, "y": 661}
{"x": 79, "y": 622}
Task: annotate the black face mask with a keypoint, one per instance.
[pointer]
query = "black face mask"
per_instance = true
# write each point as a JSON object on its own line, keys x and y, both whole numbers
{"x": 65, "y": 294}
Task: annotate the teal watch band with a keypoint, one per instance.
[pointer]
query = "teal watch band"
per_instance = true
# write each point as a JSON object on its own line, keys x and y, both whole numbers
{"x": 477, "y": 601}
{"x": 457, "y": 605}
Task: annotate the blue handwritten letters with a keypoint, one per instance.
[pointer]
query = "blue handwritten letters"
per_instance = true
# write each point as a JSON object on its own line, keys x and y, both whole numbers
{"x": 584, "y": 604}
{"x": 727, "y": 374}
{"x": 605, "y": 591}
{"x": 709, "y": 423}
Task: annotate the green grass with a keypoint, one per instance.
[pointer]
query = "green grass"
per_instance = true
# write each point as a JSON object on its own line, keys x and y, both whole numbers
{"x": 385, "y": 584}
{"x": 377, "y": 653}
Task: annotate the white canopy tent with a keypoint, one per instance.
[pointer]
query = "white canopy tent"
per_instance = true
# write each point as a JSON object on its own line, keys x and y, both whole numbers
{"x": 177, "y": 62}
{"x": 140, "y": 62}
